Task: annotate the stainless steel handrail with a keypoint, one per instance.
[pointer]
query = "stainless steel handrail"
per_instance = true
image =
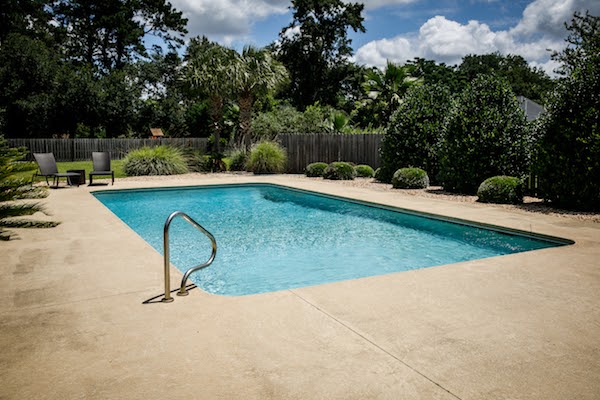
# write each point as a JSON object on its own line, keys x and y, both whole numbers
{"x": 183, "y": 290}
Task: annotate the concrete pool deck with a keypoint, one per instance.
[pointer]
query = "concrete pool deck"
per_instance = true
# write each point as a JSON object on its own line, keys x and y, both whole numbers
{"x": 73, "y": 324}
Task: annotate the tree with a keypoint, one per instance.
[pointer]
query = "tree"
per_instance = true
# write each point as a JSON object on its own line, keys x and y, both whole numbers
{"x": 485, "y": 134}
{"x": 109, "y": 33}
{"x": 29, "y": 18}
{"x": 568, "y": 157}
{"x": 315, "y": 49}
{"x": 413, "y": 135}
{"x": 432, "y": 73}
{"x": 258, "y": 73}
{"x": 12, "y": 189}
{"x": 210, "y": 73}
{"x": 385, "y": 89}
{"x": 524, "y": 80}
{"x": 28, "y": 71}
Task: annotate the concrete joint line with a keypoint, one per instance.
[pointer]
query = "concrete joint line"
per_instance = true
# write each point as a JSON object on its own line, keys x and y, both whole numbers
{"x": 374, "y": 344}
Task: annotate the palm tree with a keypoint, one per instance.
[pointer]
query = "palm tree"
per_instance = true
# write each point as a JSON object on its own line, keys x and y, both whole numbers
{"x": 385, "y": 89}
{"x": 210, "y": 71}
{"x": 17, "y": 189}
{"x": 257, "y": 74}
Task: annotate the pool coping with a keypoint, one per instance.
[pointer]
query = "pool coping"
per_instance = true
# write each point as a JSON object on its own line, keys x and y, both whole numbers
{"x": 520, "y": 326}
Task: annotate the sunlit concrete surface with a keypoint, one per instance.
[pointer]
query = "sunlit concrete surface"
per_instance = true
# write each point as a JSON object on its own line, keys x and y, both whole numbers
{"x": 73, "y": 324}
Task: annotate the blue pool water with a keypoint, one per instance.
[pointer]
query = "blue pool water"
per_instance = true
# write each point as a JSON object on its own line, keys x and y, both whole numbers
{"x": 272, "y": 238}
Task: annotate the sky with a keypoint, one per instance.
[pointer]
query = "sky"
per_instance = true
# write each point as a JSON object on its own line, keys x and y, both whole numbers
{"x": 399, "y": 30}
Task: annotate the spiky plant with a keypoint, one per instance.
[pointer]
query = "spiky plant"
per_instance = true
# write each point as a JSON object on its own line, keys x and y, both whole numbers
{"x": 13, "y": 191}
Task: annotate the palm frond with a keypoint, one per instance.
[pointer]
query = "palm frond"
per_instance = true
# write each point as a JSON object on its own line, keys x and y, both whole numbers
{"x": 18, "y": 210}
{"x": 27, "y": 223}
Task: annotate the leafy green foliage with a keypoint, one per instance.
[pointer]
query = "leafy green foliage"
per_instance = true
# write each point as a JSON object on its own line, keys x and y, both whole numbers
{"x": 257, "y": 73}
{"x": 315, "y": 48}
{"x": 340, "y": 170}
{"x": 524, "y": 80}
{"x": 486, "y": 134}
{"x": 377, "y": 175}
{"x": 159, "y": 160}
{"x": 384, "y": 91}
{"x": 501, "y": 190}
{"x": 109, "y": 33}
{"x": 568, "y": 157}
{"x": 12, "y": 189}
{"x": 410, "y": 178}
{"x": 211, "y": 72}
{"x": 267, "y": 157}
{"x": 237, "y": 159}
{"x": 414, "y": 132}
{"x": 316, "y": 169}
{"x": 364, "y": 171}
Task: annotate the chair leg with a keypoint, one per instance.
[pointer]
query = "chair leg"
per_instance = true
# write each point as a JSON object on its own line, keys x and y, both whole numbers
{"x": 113, "y": 178}
{"x": 91, "y": 179}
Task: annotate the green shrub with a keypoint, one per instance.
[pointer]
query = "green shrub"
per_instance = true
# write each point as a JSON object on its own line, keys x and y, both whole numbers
{"x": 568, "y": 154}
{"x": 501, "y": 190}
{"x": 414, "y": 131}
{"x": 377, "y": 175}
{"x": 339, "y": 171}
{"x": 267, "y": 158}
{"x": 237, "y": 159}
{"x": 315, "y": 169}
{"x": 485, "y": 134}
{"x": 364, "y": 171}
{"x": 410, "y": 178}
{"x": 159, "y": 160}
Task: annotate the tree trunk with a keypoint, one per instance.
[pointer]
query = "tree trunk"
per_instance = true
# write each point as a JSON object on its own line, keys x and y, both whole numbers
{"x": 216, "y": 114}
{"x": 245, "y": 102}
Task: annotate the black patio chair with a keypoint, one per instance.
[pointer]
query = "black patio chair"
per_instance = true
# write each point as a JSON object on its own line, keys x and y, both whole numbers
{"x": 101, "y": 165}
{"x": 47, "y": 168}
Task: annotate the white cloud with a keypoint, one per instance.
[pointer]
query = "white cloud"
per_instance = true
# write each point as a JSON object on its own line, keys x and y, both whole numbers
{"x": 540, "y": 28}
{"x": 226, "y": 19}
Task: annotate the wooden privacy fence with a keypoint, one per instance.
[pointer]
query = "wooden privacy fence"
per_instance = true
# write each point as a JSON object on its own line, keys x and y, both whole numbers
{"x": 81, "y": 149}
{"x": 303, "y": 149}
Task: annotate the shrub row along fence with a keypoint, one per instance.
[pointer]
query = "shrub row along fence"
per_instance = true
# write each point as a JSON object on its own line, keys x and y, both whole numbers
{"x": 81, "y": 149}
{"x": 303, "y": 149}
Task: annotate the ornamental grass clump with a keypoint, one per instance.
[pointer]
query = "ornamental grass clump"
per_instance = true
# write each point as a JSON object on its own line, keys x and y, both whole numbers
{"x": 410, "y": 178}
{"x": 237, "y": 159}
{"x": 159, "y": 160}
{"x": 341, "y": 171}
{"x": 267, "y": 157}
{"x": 501, "y": 190}
{"x": 364, "y": 171}
{"x": 316, "y": 169}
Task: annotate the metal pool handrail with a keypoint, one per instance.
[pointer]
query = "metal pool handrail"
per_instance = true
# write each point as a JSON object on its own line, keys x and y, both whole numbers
{"x": 183, "y": 290}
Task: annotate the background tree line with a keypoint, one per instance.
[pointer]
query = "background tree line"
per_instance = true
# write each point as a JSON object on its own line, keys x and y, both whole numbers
{"x": 75, "y": 68}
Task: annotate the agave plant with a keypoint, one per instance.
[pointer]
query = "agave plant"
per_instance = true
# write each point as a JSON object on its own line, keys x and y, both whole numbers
{"x": 12, "y": 190}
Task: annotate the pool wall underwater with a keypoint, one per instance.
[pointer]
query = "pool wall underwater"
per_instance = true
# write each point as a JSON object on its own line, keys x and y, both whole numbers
{"x": 273, "y": 237}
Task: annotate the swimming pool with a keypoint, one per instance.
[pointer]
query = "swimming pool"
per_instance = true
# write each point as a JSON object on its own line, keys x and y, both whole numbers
{"x": 273, "y": 238}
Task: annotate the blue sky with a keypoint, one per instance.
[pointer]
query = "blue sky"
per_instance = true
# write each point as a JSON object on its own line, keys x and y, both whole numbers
{"x": 399, "y": 30}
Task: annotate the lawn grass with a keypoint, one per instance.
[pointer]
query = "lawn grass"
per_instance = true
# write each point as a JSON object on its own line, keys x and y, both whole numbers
{"x": 116, "y": 165}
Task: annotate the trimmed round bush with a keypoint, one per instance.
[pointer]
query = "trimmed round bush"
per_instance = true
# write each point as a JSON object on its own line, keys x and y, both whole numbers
{"x": 238, "y": 159}
{"x": 159, "y": 160}
{"x": 501, "y": 190}
{"x": 410, "y": 178}
{"x": 378, "y": 175}
{"x": 364, "y": 171}
{"x": 267, "y": 157}
{"x": 316, "y": 169}
{"x": 339, "y": 171}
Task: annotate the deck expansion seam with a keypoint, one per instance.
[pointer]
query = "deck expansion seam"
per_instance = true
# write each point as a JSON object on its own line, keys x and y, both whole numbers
{"x": 374, "y": 344}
